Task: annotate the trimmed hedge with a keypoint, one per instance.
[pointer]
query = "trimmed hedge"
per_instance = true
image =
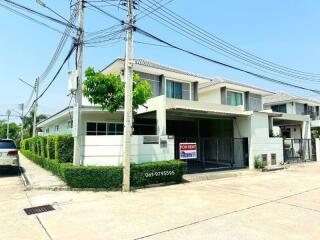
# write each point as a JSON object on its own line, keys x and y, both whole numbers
{"x": 94, "y": 177}
{"x": 63, "y": 148}
{"x": 157, "y": 172}
{"x": 55, "y": 153}
{"x": 50, "y": 147}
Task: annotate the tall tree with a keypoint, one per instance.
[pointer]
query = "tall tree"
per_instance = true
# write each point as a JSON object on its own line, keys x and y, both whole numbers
{"x": 28, "y": 123}
{"x": 107, "y": 90}
{"x": 14, "y": 130}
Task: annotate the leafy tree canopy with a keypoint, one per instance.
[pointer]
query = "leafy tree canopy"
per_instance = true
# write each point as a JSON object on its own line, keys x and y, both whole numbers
{"x": 14, "y": 130}
{"x": 107, "y": 90}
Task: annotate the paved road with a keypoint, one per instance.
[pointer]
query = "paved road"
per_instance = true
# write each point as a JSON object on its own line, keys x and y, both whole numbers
{"x": 278, "y": 205}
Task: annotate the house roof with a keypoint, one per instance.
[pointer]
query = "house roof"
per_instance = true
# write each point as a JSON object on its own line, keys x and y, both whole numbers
{"x": 151, "y": 64}
{"x": 286, "y": 97}
{"x": 219, "y": 80}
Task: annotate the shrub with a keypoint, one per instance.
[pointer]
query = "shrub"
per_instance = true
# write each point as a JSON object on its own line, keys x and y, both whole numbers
{"x": 43, "y": 144}
{"x": 50, "y": 147}
{"x": 63, "y": 148}
{"x": 157, "y": 172}
{"x": 94, "y": 177}
{"x": 258, "y": 162}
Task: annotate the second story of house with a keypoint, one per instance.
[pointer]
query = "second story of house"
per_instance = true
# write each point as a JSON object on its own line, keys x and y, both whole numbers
{"x": 227, "y": 92}
{"x": 291, "y": 104}
{"x": 164, "y": 80}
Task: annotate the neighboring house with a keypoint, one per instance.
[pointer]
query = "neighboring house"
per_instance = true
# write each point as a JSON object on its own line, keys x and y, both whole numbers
{"x": 223, "y": 118}
{"x": 299, "y": 115}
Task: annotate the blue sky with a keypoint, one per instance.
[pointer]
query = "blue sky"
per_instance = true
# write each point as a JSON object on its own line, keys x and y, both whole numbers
{"x": 285, "y": 32}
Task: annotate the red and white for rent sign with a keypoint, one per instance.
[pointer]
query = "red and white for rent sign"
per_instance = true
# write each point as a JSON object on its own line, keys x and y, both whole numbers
{"x": 188, "y": 150}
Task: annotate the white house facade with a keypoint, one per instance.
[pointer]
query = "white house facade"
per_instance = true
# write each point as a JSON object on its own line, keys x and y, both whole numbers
{"x": 224, "y": 121}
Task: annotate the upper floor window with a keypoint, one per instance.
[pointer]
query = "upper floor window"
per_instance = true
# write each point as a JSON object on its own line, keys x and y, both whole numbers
{"x": 56, "y": 128}
{"x": 279, "y": 108}
{"x": 70, "y": 124}
{"x": 234, "y": 98}
{"x": 47, "y": 130}
{"x": 174, "y": 89}
{"x": 178, "y": 90}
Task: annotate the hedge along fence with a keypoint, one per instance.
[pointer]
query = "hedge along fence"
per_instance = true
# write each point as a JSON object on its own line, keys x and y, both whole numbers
{"x": 111, "y": 177}
{"x": 54, "y": 153}
{"x": 58, "y": 147}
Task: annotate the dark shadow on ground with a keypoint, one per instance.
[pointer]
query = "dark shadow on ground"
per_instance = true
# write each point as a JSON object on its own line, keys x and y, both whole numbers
{"x": 10, "y": 171}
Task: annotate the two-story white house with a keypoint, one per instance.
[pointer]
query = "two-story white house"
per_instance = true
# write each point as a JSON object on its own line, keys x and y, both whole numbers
{"x": 224, "y": 119}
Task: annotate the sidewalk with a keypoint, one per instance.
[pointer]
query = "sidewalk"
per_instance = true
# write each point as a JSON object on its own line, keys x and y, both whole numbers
{"x": 38, "y": 178}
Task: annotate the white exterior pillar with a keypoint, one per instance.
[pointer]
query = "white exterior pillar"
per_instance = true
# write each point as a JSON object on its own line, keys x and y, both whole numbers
{"x": 317, "y": 149}
{"x": 161, "y": 117}
{"x": 306, "y": 129}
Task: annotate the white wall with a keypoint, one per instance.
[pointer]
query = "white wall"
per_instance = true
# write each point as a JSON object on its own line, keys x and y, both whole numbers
{"x": 212, "y": 96}
{"x": 107, "y": 150}
{"x": 291, "y": 108}
{"x": 256, "y": 129}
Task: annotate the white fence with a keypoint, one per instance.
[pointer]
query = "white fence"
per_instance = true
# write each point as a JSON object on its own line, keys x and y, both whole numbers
{"x": 107, "y": 150}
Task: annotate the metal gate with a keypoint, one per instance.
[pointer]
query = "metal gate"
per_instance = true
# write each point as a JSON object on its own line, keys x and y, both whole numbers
{"x": 298, "y": 150}
{"x": 215, "y": 153}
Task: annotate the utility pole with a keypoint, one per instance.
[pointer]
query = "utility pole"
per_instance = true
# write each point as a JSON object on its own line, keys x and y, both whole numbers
{"x": 8, "y": 123}
{"x": 128, "y": 77}
{"x": 22, "y": 117}
{"x": 78, "y": 97}
{"x": 35, "y": 108}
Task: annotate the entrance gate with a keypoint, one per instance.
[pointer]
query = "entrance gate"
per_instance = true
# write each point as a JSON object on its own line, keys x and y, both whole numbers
{"x": 299, "y": 150}
{"x": 215, "y": 153}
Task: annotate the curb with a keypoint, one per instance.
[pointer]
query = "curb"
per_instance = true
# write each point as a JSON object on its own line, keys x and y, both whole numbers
{"x": 24, "y": 177}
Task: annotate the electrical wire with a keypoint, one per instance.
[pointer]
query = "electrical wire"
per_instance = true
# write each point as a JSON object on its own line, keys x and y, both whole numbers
{"x": 189, "y": 28}
{"x": 73, "y": 47}
{"x": 147, "y": 34}
{"x": 30, "y": 18}
{"x": 24, "y": 8}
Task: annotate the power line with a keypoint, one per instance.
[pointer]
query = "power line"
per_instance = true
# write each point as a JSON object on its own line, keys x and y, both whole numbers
{"x": 224, "y": 64}
{"x": 152, "y": 9}
{"x": 20, "y": 6}
{"x": 30, "y": 18}
{"x": 190, "y": 30}
{"x": 53, "y": 79}
{"x": 105, "y": 12}
{"x": 60, "y": 46}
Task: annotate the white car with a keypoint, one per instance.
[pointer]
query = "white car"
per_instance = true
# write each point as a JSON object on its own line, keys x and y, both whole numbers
{"x": 8, "y": 153}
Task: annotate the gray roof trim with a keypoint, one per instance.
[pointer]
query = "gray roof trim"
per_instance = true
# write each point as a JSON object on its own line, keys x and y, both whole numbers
{"x": 220, "y": 80}
{"x": 151, "y": 64}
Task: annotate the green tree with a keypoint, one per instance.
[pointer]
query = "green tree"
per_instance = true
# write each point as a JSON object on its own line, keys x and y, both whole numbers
{"x": 14, "y": 130}
{"x": 28, "y": 123}
{"x": 108, "y": 90}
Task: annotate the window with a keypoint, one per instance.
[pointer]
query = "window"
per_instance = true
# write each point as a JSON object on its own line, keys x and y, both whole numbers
{"x": 279, "y": 108}
{"x": 94, "y": 128}
{"x": 70, "y": 124}
{"x": 47, "y": 130}
{"x": 56, "y": 128}
{"x": 115, "y": 128}
{"x": 174, "y": 89}
{"x": 234, "y": 98}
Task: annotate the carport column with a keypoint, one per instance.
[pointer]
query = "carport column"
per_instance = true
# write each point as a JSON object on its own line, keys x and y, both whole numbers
{"x": 161, "y": 117}
{"x": 306, "y": 130}
{"x": 317, "y": 149}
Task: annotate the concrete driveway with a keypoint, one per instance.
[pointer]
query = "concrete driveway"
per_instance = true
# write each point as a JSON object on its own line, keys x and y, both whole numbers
{"x": 276, "y": 205}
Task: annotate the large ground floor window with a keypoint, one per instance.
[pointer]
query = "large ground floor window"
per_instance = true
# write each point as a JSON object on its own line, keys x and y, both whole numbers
{"x": 101, "y": 128}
